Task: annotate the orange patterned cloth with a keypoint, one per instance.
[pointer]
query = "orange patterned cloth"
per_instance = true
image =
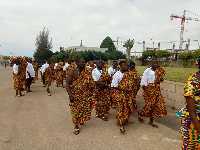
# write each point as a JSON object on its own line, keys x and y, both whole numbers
{"x": 154, "y": 104}
{"x": 49, "y": 75}
{"x": 102, "y": 96}
{"x": 82, "y": 92}
{"x": 59, "y": 73}
{"x": 125, "y": 102}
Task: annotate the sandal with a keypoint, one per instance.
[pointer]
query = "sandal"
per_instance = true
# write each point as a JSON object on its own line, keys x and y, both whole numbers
{"x": 18, "y": 95}
{"x": 76, "y": 131}
{"x": 104, "y": 118}
{"x": 49, "y": 94}
{"x": 97, "y": 115}
{"x": 122, "y": 130}
{"x": 140, "y": 118}
{"x": 82, "y": 123}
{"x": 153, "y": 124}
{"x": 26, "y": 91}
{"x": 22, "y": 94}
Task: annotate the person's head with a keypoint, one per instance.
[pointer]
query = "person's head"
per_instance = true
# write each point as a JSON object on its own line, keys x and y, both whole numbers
{"x": 91, "y": 63}
{"x": 30, "y": 60}
{"x": 115, "y": 64}
{"x": 132, "y": 66}
{"x": 44, "y": 61}
{"x": 154, "y": 63}
{"x": 80, "y": 62}
{"x": 16, "y": 61}
{"x": 57, "y": 61}
{"x": 123, "y": 66}
{"x": 99, "y": 64}
{"x": 198, "y": 62}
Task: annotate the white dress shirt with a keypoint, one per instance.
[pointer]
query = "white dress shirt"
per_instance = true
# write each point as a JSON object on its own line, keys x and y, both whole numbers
{"x": 96, "y": 73}
{"x": 117, "y": 77}
{"x": 55, "y": 65}
{"x": 30, "y": 69}
{"x": 45, "y": 66}
{"x": 65, "y": 66}
{"x": 148, "y": 77}
{"x": 15, "y": 69}
{"x": 111, "y": 70}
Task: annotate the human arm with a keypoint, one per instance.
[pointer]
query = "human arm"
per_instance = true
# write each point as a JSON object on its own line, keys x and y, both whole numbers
{"x": 191, "y": 108}
{"x": 69, "y": 79}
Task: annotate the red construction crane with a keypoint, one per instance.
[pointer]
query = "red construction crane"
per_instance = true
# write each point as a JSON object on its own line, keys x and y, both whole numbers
{"x": 183, "y": 18}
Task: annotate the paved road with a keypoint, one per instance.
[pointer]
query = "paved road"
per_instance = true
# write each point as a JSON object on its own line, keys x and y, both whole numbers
{"x": 39, "y": 122}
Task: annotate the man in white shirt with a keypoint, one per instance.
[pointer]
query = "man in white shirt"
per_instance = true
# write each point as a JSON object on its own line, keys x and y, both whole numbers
{"x": 112, "y": 69}
{"x": 119, "y": 95}
{"x": 154, "y": 103}
{"x": 30, "y": 73}
{"x": 102, "y": 96}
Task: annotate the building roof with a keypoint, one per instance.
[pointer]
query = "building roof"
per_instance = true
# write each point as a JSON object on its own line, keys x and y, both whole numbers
{"x": 84, "y": 48}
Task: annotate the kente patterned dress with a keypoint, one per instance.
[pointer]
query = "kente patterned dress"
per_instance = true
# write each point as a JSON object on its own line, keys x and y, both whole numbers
{"x": 49, "y": 75}
{"x": 59, "y": 73}
{"x": 17, "y": 77}
{"x": 71, "y": 65}
{"x": 102, "y": 96}
{"x": 124, "y": 102}
{"x": 82, "y": 91}
{"x": 23, "y": 65}
{"x": 154, "y": 104}
{"x": 190, "y": 137}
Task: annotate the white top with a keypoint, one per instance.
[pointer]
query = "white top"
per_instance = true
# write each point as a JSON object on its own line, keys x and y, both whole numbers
{"x": 148, "y": 77}
{"x": 117, "y": 77}
{"x": 65, "y": 66}
{"x": 111, "y": 70}
{"x": 96, "y": 73}
{"x": 30, "y": 69}
{"x": 44, "y": 67}
{"x": 15, "y": 69}
{"x": 56, "y": 64}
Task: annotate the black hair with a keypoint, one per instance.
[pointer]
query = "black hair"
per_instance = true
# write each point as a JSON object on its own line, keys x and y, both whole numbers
{"x": 121, "y": 62}
{"x": 132, "y": 64}
{"x": 78, "y": 59}
{"x": 114, "y": 61}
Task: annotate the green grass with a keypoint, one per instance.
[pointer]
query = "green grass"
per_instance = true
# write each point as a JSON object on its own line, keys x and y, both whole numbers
{"x": 173, "y": 73}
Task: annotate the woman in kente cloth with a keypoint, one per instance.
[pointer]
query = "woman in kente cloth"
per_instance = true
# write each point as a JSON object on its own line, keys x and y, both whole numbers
{"x": 190, "y": 114}
{"x": 122, "y": 97}
{"x": 154, "y": 102}
{"x": 17, "y": 72}
{"x": 80, "y": 85}
{"x": 49, "y": 77}
{"x": 102, "y": 96}
{"x": 59, "y": 74}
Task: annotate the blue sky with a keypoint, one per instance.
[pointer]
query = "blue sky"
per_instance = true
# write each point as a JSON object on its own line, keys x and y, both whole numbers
{"x": 70, "y": 21}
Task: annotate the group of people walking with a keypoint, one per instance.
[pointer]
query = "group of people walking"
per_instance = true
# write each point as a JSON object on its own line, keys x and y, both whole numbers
{"x": 95, "y": 85}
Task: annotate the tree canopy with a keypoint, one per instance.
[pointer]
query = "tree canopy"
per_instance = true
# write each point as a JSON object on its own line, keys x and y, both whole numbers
{"x": 43, "y": 46}
{"x": 162, "y": 53}
{"x": 128, "y": 44}
{"x": 108, "y": 43}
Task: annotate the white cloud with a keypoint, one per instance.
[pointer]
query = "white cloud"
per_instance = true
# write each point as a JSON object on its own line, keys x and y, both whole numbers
{"x": 93, "y": 20}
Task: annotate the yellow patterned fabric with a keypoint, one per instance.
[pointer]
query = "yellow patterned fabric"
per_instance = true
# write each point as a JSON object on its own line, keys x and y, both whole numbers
{"x": 82, "y": 91}
{"x": 59, "y": 73}
{"x": 190, "y": 137}
{"x": 102, "y": 96}
{"x": 154, "y": 104}
{"x": 49, "y": 75}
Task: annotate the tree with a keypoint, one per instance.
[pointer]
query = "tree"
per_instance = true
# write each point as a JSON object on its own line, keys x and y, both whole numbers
{"x": 148, "y": 53}
{"x": 128, "y": 44}
{"x": 75, "y": 55}
{"x": 185, "y": 57}
{"x": 43, "y": 46}
{"x": 162, "y": 53}
{"x": 108, "y": 43}
{"x": 196, "y": 53}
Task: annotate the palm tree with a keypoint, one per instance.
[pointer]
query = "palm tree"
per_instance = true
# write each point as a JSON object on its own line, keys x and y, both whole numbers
{"x": 128, "y": 44}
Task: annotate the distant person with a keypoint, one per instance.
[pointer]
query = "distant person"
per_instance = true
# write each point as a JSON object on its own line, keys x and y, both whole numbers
{"x": 49, "y": 76}
{"x": 190, "y": 114}
{"x": 79, "y": 84}
{"x": 154, "y": 102}
{"x": 112, "y": 69}
{"x": 17, "y": 72}
{"x": 30, "y": 73}
{"x": 91, "y": 65}
{"x": 5, "y": 65}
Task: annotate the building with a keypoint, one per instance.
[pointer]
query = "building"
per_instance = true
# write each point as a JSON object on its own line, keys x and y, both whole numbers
{"x": 84, "y": 48}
